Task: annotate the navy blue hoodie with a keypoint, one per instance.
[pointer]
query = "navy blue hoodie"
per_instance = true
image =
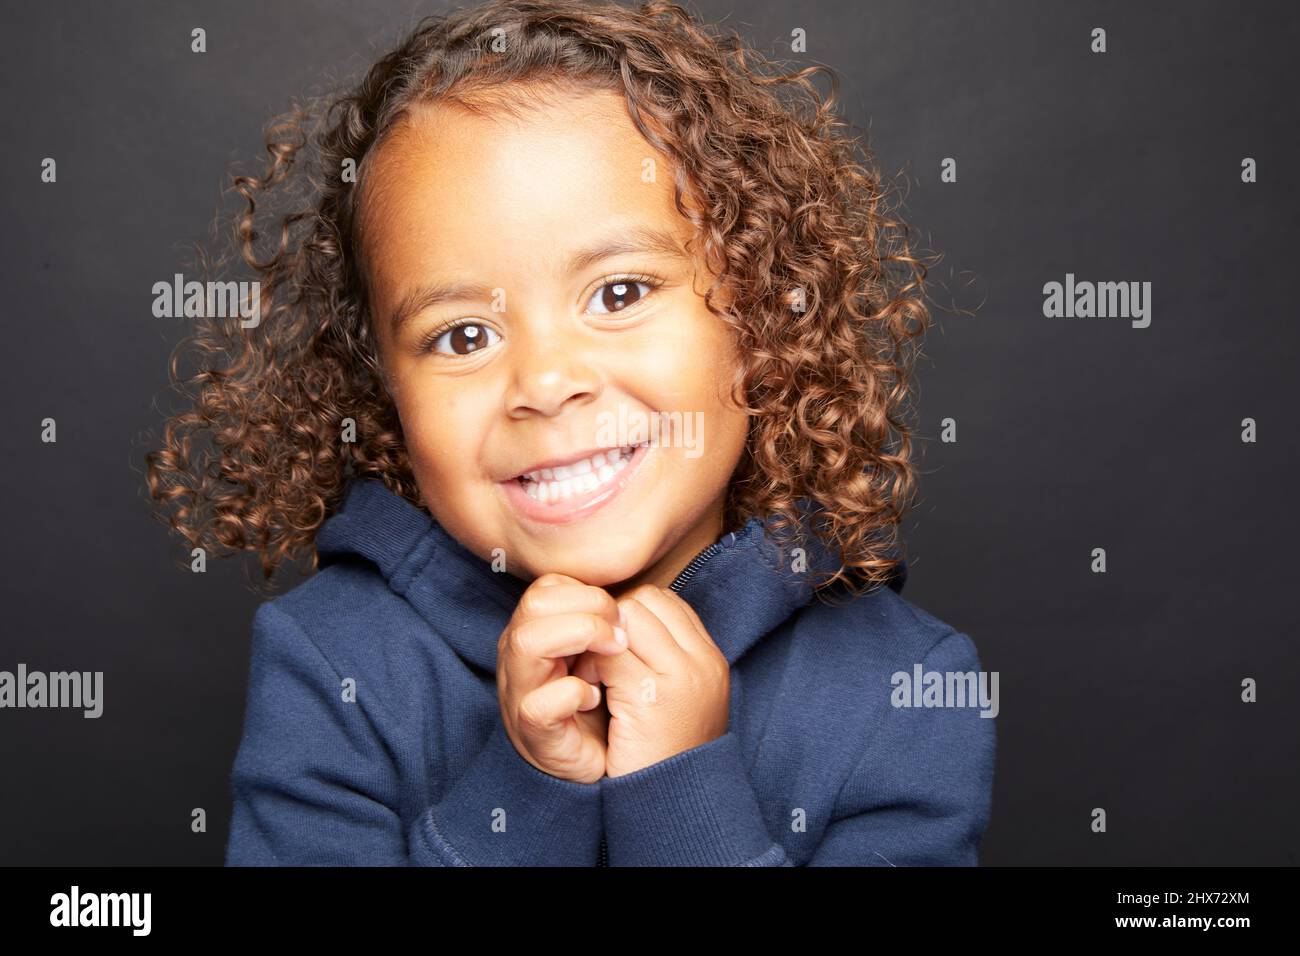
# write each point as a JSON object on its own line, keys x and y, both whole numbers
{"x": 373, "y": 734}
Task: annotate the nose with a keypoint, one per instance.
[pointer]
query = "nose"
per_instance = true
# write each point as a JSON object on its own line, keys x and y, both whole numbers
{"x": 551, "y": 373}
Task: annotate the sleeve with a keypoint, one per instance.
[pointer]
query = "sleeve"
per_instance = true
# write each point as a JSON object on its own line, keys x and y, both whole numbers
{"x": 919, "y": 795}
{"x": 695, "y": 808}
{"x": 315, "y": 784}
{"x": 922, "y": 793}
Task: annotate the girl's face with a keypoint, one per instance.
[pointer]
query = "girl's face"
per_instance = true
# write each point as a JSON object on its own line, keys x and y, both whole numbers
{"x": 536, "y": 306}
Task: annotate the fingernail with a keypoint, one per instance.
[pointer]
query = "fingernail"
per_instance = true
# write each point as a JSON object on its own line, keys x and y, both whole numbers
{"x": 622, "y": 617}
{"x": 620, "y": 635}
{"x": 595, "y": 694}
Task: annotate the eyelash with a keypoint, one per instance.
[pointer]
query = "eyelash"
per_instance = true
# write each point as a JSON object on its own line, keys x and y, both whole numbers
{"x": 428, "y": 341}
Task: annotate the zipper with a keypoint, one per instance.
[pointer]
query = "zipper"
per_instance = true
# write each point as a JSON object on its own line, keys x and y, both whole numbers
{"x": 697, "y": 562}
{"x": 688, "y": 572}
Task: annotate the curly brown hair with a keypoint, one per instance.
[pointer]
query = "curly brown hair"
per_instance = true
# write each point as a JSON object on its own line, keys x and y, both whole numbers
{"x": 825, "y": 295}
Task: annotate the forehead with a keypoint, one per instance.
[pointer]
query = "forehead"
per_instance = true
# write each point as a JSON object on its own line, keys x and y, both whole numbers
{"x": 462, "y": 190}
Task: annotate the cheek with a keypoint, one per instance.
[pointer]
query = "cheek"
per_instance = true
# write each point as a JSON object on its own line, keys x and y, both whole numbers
{"x": 709, "y": 365}
{"x": 441, "y": 431}
{"x": 726, "y": 426}
{"x": 692, "y": 373}
{"x": 688, "y": 360}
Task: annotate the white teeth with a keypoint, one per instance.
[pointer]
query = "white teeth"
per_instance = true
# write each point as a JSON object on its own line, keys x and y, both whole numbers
{"x": 582, "y": 477}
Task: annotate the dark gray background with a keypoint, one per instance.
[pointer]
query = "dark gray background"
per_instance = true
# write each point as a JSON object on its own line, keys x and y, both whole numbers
{"x": 1118, "y": 690}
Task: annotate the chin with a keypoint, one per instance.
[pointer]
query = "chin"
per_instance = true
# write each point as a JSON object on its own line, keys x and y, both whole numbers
{"x": 593, "y": 567}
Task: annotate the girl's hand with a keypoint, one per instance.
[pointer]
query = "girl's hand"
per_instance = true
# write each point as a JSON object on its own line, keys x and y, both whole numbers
{"x": 552, "y": 717}
{"x": 670, "y": 691}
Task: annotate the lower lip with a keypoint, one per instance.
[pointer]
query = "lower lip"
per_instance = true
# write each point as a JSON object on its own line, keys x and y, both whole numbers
{"x": 575, "y": 507}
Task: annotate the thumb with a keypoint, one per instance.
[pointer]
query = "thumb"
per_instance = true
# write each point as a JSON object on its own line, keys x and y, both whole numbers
{"x": 586, "y": 668}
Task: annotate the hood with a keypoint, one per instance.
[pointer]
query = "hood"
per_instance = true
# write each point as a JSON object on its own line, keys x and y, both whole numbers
{"x": 739, "y": 586}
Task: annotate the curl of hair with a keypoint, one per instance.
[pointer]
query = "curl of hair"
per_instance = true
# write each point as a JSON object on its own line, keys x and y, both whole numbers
{"x": 823, "y": 293}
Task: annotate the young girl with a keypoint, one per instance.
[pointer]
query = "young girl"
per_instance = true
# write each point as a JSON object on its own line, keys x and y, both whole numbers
{"x": 580, "y": 373}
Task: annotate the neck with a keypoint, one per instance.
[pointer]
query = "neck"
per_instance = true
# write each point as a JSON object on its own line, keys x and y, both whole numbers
{"x": 664, "y": 572}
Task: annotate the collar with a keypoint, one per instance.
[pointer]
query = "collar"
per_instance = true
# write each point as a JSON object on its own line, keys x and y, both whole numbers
{"x": 739, "y": 586}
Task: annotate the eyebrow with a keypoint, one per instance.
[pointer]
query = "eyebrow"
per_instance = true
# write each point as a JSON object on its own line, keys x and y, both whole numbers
{"x": 638, "y": 239}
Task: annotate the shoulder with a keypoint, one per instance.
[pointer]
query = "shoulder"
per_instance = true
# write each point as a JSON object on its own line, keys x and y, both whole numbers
{"x": 923, "y": 718}
{"x": 343, "y": 622}
{"x": 334, "y": 601}
{"x": 874, "y": 635}
{"x": 876, "y": 661}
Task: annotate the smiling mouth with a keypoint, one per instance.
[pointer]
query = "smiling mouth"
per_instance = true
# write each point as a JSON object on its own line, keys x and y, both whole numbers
{"x": 577, "y": 479}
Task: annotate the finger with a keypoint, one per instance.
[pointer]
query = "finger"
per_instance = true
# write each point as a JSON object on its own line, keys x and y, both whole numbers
{"x": 552, "y": 578}
{"x": 649, "y": 638}
{"x": 585, "y": 667}
{"x": 594, "y": 722}
{"x": 619, "y": 670}
{"x": 563, "y": 635}
{"x": 557, "y": 594}
{"x": 543, "y": 712}
{"x": 679, "y": 617}
{"x": 590, "y": 697}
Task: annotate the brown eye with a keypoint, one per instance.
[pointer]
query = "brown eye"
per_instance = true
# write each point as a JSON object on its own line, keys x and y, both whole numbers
{"x": 461, "y": 339}
{"x": 618, "y": 295}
